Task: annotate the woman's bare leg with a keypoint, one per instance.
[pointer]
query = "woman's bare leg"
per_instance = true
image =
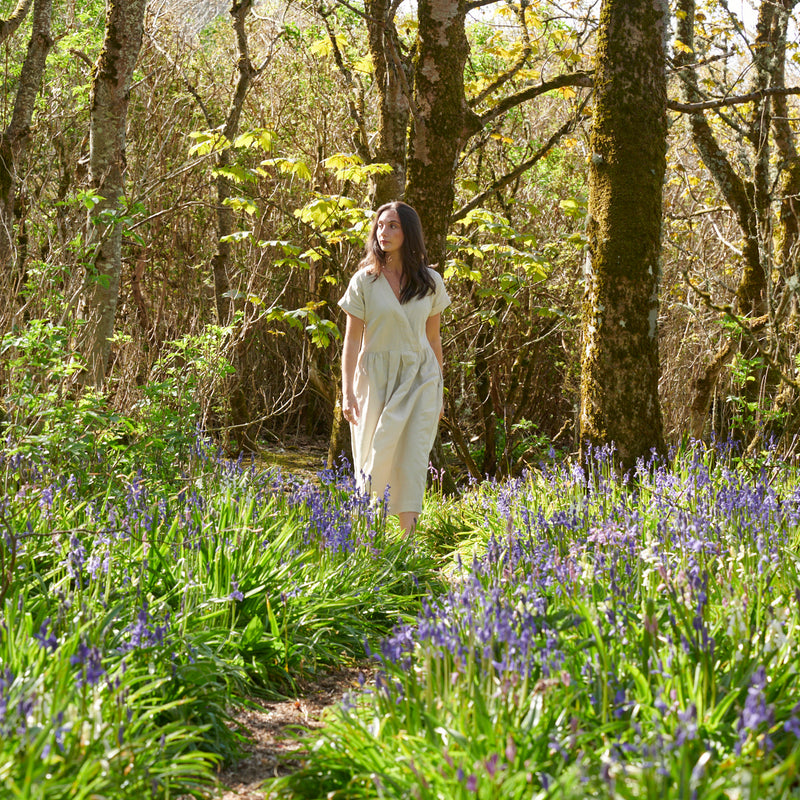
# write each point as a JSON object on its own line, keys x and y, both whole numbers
{"x": 408, "y": 522}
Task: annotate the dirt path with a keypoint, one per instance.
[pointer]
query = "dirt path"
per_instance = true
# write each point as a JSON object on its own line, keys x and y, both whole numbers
{"x": 269, "y": 751}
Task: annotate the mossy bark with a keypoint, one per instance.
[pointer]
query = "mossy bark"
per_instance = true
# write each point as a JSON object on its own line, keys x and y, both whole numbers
{"x": 9, "y": 25}
{"x": 391, "y": 84}
{"x": 619, "y": 359}
{"x": 109, "y": 113}
{"x": 442, "y": 121}
{"x": 14, "y": 139}
{"x": 787, "y": 235}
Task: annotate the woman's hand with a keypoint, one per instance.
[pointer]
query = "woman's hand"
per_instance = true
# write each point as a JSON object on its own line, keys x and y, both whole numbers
{"x": 350, "y": 410}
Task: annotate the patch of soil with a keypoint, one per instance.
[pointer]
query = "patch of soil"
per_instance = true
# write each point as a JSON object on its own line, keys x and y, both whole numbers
{"x": 270, "y": 751}
{"x": 303, "y": 458}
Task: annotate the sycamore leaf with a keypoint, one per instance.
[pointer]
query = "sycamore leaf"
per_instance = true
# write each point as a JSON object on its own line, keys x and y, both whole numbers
{"x": 323, "y": 211}
{"x": 341, "y": 160}
{"x": 314, "y": 254}
{"x": 260, "y": 137}
{"x": 206, "y": 142}
{"x": 236, "y": 173}
{"x": 236, "y": 236}
{"x": 364, "y": 65}
{"x": 504, "y": 139}
{"x": 240, "y": 204}
{"x": 324, "y": 47}
{"x": 288, "y": 248}
{"x": 289, "y": 166}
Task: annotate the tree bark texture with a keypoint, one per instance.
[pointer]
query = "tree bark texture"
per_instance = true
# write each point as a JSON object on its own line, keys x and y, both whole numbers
{"x": 10, "y": 25}
{"x": 442, "y": 121}
{"x": 109, "y": 113}
{"x": 787, "y": 237}
{"x": 392, "y": 86}
{"x": 14, "y": 139}
{"x": 619, "y": 359}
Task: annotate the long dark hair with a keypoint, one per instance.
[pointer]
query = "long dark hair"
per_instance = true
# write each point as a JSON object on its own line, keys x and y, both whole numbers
{"x": 417, "y": 281}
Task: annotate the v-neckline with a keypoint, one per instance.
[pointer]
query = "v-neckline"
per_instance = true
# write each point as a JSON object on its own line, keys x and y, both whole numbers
{"x": 391, "y": 288}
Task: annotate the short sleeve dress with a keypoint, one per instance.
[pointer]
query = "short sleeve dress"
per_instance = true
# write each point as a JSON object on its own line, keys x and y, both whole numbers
{"x": 398, "y": 386}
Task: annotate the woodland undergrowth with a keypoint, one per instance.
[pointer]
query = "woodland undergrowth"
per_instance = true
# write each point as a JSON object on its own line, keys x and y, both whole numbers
{"x": 573, "y": 632}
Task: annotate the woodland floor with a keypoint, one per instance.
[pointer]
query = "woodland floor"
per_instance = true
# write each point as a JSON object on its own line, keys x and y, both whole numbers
{"x": 270, "y": 750}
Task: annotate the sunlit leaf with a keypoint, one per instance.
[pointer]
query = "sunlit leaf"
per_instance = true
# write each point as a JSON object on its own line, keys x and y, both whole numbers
{"x": 236, "y": 236}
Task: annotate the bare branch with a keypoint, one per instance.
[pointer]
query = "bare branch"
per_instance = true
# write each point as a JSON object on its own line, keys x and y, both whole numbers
{"x": 748, "y": 327}
{"x": 722, "y": 102}
{"x": 580, "y": 78}
{"x": 82, "y": 56}
{"x": 522, "y": 168}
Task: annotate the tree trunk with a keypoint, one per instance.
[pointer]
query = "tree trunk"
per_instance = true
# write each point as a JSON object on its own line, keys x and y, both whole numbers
{"x": 483, "y": 385}
{"x": 788, "y": 231}
{"x": 14, "y": 139}
{"x": 750, "y": 200}
{"x": 619, "y": 358}
{"x": 391, "y": 84}
{"x": 442, "y": 120}
{"x": 243, "y": 430}
{"x": 109, "y": 113}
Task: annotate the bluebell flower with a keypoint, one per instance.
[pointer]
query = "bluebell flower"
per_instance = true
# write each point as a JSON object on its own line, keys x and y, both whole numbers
{"x": 235, "y": 594}
{"x": 46, "y": 642}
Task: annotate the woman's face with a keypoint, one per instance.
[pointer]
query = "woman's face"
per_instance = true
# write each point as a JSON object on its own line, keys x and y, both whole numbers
{"x": 389, "y": 232}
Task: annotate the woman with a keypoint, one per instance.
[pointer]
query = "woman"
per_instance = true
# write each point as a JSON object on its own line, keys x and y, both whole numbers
{"x": 392, "y": 361}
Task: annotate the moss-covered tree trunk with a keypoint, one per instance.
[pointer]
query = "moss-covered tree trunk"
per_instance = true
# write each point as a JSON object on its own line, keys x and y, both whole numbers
{"x": 441, "y": 119}
{"x": 391, "y": 84}
{"x": 109, "y": 113}
{"x": 14, "y": 139}
{"x": 619, "y": 358}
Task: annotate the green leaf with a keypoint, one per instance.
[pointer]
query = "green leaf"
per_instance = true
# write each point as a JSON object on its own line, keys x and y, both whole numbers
{"x": 236, "y": 236}
{"x": 289, "y": 166}
{"x": 252, "y": 634}
{"x": 240, "y": 204}
{"x": 236, "y": 173}
{"x": 259, "y": 137}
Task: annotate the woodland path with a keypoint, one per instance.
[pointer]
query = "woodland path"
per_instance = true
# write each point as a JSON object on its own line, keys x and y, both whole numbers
{"x": 270, "y": 750}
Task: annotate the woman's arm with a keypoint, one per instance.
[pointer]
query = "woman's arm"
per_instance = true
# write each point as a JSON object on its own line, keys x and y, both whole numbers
{"x": 433, "y": 332}
{"x": 352, "y": 344}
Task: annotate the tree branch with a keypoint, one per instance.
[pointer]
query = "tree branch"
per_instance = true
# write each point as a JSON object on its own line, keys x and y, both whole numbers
{"x": 8, "y": 26}
{"x": 748, "y": 327}
{"x": 722, "y": 102}
{"x": 479, "y": 4}
{"x": 580, "y": 78}
{"x": 522, "y": 168}
{"x": 508, "y": 74}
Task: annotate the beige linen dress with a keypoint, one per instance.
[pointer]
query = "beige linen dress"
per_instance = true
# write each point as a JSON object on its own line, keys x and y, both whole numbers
{"x": 398, "y": 386}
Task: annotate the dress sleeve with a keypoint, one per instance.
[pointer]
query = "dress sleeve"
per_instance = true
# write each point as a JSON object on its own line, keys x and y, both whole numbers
{"x": 440, "y": 298}
{"x": 353, "y": 300}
